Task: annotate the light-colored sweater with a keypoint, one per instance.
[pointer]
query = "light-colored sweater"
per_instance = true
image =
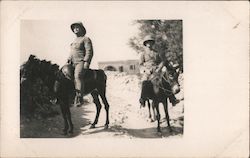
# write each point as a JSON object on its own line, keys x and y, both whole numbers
{"x": 81, "y": 50}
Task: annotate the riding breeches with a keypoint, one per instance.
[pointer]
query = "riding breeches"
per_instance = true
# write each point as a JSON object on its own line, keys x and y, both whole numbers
{"x": 79, "y": 73}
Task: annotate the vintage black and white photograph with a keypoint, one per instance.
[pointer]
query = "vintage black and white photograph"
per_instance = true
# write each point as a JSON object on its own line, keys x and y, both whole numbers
{"x": 101, "y": 79}
{"x": 124, "y": 79}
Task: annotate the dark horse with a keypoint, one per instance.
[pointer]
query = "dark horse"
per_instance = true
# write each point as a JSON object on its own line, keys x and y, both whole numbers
{"x": 62, "y": 88}
{"x": 158, "y": 90}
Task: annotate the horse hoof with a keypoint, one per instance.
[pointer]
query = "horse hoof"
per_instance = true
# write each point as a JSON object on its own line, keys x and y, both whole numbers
{"x": 158, "y": 130}
{"x": 64, "y": 133}
{"x": 92, "y": 126}
{"x": 170, "y": 130}
{"x": 159, "y": 133}
{"x": 71, "y": 132}
{"x": 106, "y": 126}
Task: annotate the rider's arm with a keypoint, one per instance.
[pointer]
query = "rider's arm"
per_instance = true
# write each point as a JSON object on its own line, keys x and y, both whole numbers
{"x": 160, "y": 66}
{"x": 142, "y": 59}
{"x": 162, "y": 63}
{"x": 89, "y": 50}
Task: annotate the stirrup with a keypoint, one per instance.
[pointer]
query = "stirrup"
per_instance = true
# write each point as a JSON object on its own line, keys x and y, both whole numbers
{"x": 175, "y": 102}
{"x": 78, "y": 99}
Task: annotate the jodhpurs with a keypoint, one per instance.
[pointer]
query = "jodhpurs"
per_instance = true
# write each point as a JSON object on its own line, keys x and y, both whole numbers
{"x": 79, "y": 75}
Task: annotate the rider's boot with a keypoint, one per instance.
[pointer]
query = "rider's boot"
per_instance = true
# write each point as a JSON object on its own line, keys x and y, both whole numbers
{"x": 173, "y": 100}
{"x": 171, "y": 95}
{"x": 78, "y": 99}
{"x": 142, "y": 99}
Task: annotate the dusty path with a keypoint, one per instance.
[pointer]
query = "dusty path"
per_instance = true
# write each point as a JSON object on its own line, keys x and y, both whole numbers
{"x": 127, "y": 119}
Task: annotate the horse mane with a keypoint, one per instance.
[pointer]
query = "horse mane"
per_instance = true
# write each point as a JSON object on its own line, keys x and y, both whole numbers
{"x": 34, "y": 69}
{"x": 37, "y": 78}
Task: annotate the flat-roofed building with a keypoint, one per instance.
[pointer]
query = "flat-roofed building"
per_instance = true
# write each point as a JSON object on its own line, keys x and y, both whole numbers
{"x": 129, "y": 66}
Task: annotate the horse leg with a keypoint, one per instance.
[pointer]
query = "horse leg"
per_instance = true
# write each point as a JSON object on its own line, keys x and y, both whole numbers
{"x": 98, "y": 108}
{"x": 158, "y": 116}
{"x": 154, "y": 113}
{"x": 165, "y": 104}
{"x": 68, "y": 114}
{"x": 105, "y": 102}
{"x": 66, "y": 126}
{"x": 149, "y": 111}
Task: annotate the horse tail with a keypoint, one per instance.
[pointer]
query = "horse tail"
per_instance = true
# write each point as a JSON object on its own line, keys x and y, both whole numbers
{"x": 104, "y": 77}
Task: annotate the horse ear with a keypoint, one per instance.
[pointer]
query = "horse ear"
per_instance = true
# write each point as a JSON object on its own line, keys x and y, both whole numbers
{"x": 31, "y": 57}
{"x": 55, "y": 67}
{"x": 59, "y": 74}
{"x": 48, "y": 62}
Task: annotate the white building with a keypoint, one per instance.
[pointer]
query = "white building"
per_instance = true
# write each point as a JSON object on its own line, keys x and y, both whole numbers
{"x": 129, "y": 66}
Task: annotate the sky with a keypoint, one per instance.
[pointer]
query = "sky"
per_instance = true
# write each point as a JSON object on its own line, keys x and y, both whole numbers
{"x": 51, "y": 39}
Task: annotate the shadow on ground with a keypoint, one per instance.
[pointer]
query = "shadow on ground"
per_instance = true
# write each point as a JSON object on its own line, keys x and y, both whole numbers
{"x": 52, "y": 127}
{"x": 118, "y": 131}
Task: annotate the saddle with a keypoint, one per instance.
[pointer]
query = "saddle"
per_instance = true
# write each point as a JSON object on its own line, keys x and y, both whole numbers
{"x": 68, "y": 71}
{"x": 157, "y": 82}
{"x": 161, "y": 82}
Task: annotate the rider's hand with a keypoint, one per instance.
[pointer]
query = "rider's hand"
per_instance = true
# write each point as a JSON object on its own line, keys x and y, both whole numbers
{"x": 86, "y": 65}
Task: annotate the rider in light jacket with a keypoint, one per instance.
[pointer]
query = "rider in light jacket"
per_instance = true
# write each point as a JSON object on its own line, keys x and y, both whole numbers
{"x": 152, "y": 62}
{"x": 80, "y": 57}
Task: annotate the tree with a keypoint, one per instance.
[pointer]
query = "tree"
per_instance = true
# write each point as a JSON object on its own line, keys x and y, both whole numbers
{"x": 168, "y": 38}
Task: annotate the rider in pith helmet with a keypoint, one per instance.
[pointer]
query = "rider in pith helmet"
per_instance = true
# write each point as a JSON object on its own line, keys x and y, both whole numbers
{"x": 81, "y": 54}
{"x": 80, "y": 25}
{"x": 152, "y": 62}
{"x": 148, "y": 39}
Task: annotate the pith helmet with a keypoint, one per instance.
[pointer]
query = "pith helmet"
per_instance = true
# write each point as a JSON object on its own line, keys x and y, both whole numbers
{"x": 80, "y": 25}
{"x": 148, "y": 39}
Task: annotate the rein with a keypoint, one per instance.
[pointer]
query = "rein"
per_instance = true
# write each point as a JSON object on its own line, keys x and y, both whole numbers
{"x": 161, "y": 86}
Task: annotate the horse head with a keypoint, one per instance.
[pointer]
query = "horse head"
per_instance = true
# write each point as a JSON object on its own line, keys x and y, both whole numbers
{"x": 35, "y": 69}
{"x": 27, "y": 70}
{"x": 171, "y": 76}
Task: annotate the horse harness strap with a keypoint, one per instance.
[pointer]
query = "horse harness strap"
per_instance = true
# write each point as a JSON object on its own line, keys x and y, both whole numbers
{"x": 166, "y": 79}
{"x": 164, "y": 89}
{"x": 161, "y": 86}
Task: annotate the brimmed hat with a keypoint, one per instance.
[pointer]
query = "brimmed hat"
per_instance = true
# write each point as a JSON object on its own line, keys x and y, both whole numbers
{"x": 80, "y": 25}
{"x": 148, "y": 39}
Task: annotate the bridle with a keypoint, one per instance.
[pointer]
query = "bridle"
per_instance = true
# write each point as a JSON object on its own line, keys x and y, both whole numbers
{"x": 162, "y": 76}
